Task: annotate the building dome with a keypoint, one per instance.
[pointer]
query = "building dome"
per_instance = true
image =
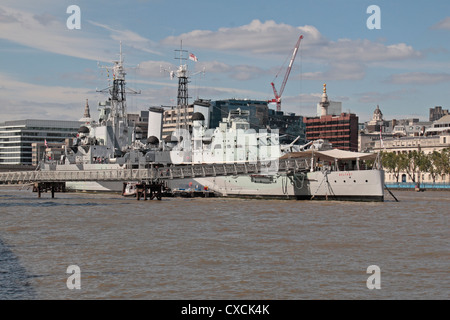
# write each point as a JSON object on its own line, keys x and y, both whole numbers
{"x": 377, "y": 110}
{"x": 377, "y": 114}
{"x": 198, "y": 116}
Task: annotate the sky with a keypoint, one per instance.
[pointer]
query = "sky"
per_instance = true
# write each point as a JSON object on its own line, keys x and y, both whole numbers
{"x": 48, "y": 70}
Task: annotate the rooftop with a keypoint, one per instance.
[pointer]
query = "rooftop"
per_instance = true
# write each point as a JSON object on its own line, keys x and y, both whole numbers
{"x": 444, "y": 119}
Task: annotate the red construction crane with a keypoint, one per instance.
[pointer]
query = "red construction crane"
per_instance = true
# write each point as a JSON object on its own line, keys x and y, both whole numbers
{"x": 286, "y": 76}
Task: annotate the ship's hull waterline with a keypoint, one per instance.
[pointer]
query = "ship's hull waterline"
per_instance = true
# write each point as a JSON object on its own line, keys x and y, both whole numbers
{"x": 359, "y": 185}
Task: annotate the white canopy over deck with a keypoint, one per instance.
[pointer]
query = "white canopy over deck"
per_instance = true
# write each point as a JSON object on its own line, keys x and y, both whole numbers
{"x": 331, "y": 155}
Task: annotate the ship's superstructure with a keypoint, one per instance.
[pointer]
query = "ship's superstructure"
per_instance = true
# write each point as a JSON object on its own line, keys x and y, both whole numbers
{"x": 109, "y": 142}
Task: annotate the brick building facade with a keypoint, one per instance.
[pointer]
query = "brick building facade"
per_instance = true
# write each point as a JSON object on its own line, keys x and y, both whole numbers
{"x": 340, "y": 130}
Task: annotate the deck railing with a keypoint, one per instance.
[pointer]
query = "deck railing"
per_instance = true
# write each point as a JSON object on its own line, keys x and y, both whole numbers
{"x": 171, "y": 172}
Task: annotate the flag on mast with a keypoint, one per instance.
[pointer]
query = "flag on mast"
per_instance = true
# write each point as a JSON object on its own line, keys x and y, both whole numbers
{"x": 193, "y": 57}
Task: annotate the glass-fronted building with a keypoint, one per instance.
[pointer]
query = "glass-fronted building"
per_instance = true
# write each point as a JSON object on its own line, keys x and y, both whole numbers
{"x": 290, "y": 126}
{"x": 258, "y": 110}
{"x": 17, "y": 137}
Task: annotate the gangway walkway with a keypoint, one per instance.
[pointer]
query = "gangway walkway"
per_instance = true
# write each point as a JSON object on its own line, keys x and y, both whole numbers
{"x": 153, "y": 173}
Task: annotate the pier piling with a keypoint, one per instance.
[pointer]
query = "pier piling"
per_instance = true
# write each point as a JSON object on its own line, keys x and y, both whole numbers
{"x": 53, "y": 187}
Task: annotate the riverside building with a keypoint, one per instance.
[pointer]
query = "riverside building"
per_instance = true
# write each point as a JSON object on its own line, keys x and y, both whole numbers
{"x": 17, "y": 137}
{"x": 407, "y": 145}
{"x": 340, "y": 130}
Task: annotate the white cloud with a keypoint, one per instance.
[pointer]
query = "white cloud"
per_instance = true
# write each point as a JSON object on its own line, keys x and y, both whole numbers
{"x": 132, "y": 39}
{"x": 47, "y": 33}
{"x": 272, "y": 38}
{"x": 377, "y": 97}
{"x": 346, "y": 59}
{"x": 154, "y": 69}
{"x": 339, "y": 70}
{"x": 229, "y": 92}
{"x": 45, "y": 18}
{"x": 8, "y": 17}
{"x": 443, "y": 24}
{"x": 256, "y": 37}
{"x": 419, "y": 78}
{"x": 160, "y": 69}
{"x": 363, "y": 51}
{"x": 214, "y": 66}
{"x": 236, "y": 72}
{"x": 44, "y": 32}
{"x": 20, "y": 100}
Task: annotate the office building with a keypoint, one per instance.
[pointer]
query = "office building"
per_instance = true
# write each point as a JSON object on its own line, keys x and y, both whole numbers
{"x": 437, "y": 112}
{"x": 290, "y": 126}
{"x": 258, "y": 111}
{"x": 17, "y": 137}
{"x": 340, "y": 130}
{"x": 439, "y": 127}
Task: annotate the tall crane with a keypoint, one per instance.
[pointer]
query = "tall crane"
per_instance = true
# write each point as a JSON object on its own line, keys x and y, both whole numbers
{"x": 277, "y": 99}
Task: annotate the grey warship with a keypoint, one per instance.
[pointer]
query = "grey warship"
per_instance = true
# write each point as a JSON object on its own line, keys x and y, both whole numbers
{"x": 113, "y": 142}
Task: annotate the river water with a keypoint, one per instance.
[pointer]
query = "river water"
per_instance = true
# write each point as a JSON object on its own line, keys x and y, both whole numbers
{"x": 216, "y": 248}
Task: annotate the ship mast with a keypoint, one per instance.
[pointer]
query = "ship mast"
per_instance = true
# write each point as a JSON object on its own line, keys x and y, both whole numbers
{"x": 117, "y": 90}
{"x": 182, "y": 74}
{"x": 117, "y": 98}
{"x": 182, "y": 97}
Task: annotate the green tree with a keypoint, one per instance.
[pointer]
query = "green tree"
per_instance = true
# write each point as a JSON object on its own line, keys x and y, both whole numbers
{"x": 436, "y": 163}
{"x": 443, "y": 162}
{"x": 395, "y": 163}
{"x": 389, "y": 161}
{"x": 402, "y": 163}
{"x": 418, "y": 161}
{"x": 433, "y": 160}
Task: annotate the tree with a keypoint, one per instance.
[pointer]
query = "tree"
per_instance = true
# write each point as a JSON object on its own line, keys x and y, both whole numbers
{"x": 417, "y": 162}
{"x": 433, "y": 159}
{"x": 424, "y": 163}
{"x": 389, "y": 161}
{"x": 395, "y": 163}
{"x": 402, "y": 163}
{"x": 443, "y": 162}
{"x": 436, "y": 163}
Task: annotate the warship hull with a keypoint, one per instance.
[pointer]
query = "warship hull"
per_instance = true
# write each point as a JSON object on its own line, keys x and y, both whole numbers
{"x": 363, "y": 185}
{"x": 358, "y": 185}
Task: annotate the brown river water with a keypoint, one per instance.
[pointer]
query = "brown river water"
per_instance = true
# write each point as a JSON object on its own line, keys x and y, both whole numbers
{"x": 218, "y": 248}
